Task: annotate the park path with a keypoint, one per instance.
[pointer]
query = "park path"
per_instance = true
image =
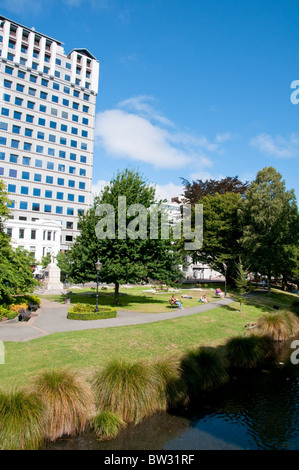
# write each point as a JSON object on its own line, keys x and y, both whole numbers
{"x": 51, "y": 317}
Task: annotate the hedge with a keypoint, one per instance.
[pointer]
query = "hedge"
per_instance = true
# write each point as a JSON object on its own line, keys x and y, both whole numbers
{"x": 87, "y": 312}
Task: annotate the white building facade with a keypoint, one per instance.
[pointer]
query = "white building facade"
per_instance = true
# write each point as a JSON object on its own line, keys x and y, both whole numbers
{"x": 39, "y": 237}
{"x": 47, "y": 119}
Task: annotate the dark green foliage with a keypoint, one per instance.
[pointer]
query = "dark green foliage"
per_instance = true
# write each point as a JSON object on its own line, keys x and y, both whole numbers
{"x": 270, "y": 220}
{"x": 123, "y": 259}
{"x": 203, "y": 369}
{"x": 246, "y": 352}
{"x": 221, "y": 233}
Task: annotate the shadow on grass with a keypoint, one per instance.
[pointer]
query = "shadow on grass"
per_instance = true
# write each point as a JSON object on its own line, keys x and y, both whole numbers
{"x": 108, "y": 299}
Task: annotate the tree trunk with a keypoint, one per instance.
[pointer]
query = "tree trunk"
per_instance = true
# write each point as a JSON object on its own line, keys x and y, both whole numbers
{"x": 116, "y": 291}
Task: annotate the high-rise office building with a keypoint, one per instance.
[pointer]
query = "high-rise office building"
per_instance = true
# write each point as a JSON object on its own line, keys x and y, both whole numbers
{"x": 47, "y": 117}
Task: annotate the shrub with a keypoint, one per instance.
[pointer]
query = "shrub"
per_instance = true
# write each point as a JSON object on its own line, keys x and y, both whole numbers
{"x": 67, "y": 399}
{"x": 246, "y": 352}
{"x": 279, "y": 326}
{"x": 203, "y": 369}
{"x": 21, "y": 421}
{"x": 128, "y": 389}
{"x": 28, "y": 298}
{"x": 107, "y": 425}
{"x": 87, "y": 312}
{"x": 4, "y": 312}
{"x": 15, "y": 308}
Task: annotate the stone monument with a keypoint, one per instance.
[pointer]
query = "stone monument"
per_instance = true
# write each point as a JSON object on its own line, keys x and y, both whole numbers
{"x": 52, "y": 276}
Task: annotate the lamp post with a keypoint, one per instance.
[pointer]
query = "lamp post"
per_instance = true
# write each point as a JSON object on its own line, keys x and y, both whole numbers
{"x": 98, "y": 266}
{"x": 225, "y": 270}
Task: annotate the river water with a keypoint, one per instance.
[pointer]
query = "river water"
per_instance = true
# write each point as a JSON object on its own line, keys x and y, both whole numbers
{"x": 257, "y": 410}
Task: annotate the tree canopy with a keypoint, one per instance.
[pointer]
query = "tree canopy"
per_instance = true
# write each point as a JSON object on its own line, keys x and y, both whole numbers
{"x": 16, "y": 276}
{"x": 270, "y": 221}
{"x": 124, "y": 258}
{"x": 221, "y": 233}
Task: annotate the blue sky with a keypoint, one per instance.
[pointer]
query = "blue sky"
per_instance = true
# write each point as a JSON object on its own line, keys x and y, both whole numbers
{"x": 188, "y": 88}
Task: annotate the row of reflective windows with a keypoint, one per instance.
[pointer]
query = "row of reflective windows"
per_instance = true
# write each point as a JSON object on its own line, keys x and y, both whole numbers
{"x": 45, "y": 96}
{"x": 56, "y": 86}
{"x": 36, "y": 206}
{"x": 40, "y": 148}
{"x": 30, "y": 118}
{"x": 51, "y": 152}
{"x": 46, "y": 70}
{"x": 16, "y": 129}
{"x": 38, "y": 177}
{"x": 38, "y": 163}
{"x": 47, "y": 193}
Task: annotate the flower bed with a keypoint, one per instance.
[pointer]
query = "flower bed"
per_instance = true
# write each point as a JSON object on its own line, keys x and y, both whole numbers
{"x": 87, "y": 312}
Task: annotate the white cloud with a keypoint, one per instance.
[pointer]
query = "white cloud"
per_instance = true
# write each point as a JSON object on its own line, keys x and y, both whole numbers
{"x": 224, "y": 137}
{"x": 22, "y": 7}
{"x": 136, "y": 130}
{"x": 140, "y": 105}
{"x": 168, "y": 191}
{"x": 98, "y": 187}
{"x": 278, "y": 146}
{"x": 126, "y": 135}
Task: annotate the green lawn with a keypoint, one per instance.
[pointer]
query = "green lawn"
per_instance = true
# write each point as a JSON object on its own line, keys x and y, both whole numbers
{"x": 89, "y": 349}
{"x": 137, "y": 298}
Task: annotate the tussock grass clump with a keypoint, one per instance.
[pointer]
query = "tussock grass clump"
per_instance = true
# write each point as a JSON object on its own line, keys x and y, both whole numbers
{"x": 21, "y": 420}
{"x": 203, "y": 369}
{"x": 67, "y": 399}
{"x": 171, "y": 387}
{"x": 279, "y": 326}
{"x": 128, "y": 389}
{"x": 246, "y": 352}
{"x": 107, "y": 425}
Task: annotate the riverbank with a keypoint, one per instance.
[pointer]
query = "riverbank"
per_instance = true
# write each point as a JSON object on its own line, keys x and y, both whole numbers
{"x": 85, "y": 350}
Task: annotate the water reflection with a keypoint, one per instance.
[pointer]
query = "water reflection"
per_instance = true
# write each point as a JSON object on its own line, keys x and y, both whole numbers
{"x": 256, "y": 410}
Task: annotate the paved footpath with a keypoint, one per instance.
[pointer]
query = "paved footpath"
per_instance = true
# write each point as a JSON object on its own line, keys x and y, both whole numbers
{"x": 51, "y": 317}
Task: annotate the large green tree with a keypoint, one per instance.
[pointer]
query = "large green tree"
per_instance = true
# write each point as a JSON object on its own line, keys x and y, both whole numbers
{"x": 128, "y": 252}
{"x": 16, "y": 276}
{"x": 269, "y": 216}
{"x": 221, "y": 233}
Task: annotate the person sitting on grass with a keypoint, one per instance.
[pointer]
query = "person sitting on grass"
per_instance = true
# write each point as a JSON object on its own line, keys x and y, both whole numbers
{"x": 203, "y": 299}
{"x": 175, "y": 301}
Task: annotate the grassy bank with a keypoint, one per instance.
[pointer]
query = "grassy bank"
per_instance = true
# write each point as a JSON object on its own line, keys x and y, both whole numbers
{"x": 89, "y": 349}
